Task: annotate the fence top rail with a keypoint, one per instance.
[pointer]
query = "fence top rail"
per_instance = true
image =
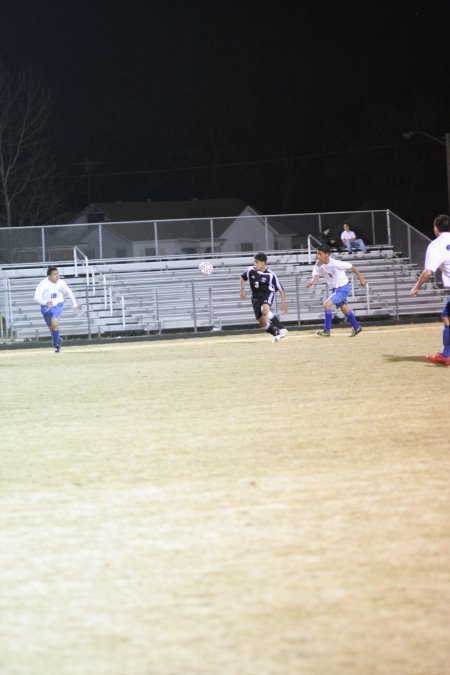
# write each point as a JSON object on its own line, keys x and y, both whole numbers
{"x": 206, "y": 219}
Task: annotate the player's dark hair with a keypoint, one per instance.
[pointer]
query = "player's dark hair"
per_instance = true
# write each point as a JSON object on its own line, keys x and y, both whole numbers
{"x": 51, "y": 269}
{"x": 261, "y": 256}
{"x": 442, "y": 223}
{"x": 324, "y": 248}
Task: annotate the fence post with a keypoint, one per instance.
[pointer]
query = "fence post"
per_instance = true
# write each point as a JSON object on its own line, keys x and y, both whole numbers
{"x": 211, "y": 225}
{"x": 194, "y": 311}
{"x": 88, "y": 313}
{"x": 396, "y": 310}
{"x": 408, "y": 233}
{"x": 43, "y": 244}
{"x": 10, "y": 309}
{"x": 297, "y": 293}
{"x": 211, "y": 311}
{"x": 388, "y": 227}
{"x": 155, "y": 234}
{"x": 372, "y": 215}
{"x": 155, "y": 290}
{"x": 100, "y": 241}
{"x": 267, "y": 232}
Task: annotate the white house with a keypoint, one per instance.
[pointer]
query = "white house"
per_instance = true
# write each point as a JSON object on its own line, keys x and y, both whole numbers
{"x": 144, "y": 229}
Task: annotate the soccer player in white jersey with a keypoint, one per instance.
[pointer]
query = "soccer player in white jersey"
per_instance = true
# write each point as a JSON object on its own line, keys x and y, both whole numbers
{"x": 438, "y": 257}
{"x": 264, "y": 284}
{"x": 335, "y": 274}
{"x": 50, "y": 295}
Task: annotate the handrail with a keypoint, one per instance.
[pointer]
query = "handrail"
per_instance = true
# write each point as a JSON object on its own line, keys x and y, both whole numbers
{"x": 86, "y": 262}
{"x": 119, "y": 296}
{"x": 310, "y": 237}
{"x": 367, "y": 289}
{"x": 106, "y": 284}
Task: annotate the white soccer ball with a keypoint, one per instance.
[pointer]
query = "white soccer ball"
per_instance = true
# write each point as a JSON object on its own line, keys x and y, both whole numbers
{"x": 205, "y": 268}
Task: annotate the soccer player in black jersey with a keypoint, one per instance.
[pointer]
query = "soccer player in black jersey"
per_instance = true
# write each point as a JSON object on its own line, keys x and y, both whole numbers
{"x": 264, "y": 284}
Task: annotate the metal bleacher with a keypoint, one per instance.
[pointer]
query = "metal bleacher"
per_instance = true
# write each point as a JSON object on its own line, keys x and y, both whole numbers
{"x": 119, "y": 297}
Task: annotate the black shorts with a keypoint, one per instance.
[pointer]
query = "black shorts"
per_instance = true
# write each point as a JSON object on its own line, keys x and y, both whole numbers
{"x": 259, "y": 302}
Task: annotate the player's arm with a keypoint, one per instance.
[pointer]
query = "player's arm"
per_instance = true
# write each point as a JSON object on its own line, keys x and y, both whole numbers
{"x": 39, "y": 296}
{"x": 424, "y": 277}
{"x": 243, "y": 291}
{"x": 313, "y": 280}
{"x": 72, "y": 297}
{"x": 361, "y": 279}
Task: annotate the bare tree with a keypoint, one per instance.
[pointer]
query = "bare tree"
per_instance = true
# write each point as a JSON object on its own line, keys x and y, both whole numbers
{"x": 27, "y": 169}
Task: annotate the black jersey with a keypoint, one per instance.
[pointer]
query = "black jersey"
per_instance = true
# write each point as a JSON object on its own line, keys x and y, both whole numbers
{"x": 263, "y": 284}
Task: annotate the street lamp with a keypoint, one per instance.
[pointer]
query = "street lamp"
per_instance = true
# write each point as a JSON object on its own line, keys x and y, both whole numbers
{"x": 445, "y": 141}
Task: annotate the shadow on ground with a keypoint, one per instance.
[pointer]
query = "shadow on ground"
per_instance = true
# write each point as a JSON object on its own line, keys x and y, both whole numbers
{"x": 397, "y": 358}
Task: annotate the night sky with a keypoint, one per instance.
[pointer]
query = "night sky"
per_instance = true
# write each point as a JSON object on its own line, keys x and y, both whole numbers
{"x": 290, "y": 106}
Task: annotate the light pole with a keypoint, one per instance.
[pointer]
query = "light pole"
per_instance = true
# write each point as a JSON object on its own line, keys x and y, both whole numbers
{"x": 445, "y": 141}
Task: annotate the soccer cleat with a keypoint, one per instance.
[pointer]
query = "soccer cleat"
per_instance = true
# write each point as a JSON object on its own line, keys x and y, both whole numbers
{"x": 439, "y": 358}
{"x": 283, "y": 333}
{"x": 276, "y": 338}
{"x": 57, "y": 347}
{"x": 355, "y": 332}
{"x": 324, "y": 333}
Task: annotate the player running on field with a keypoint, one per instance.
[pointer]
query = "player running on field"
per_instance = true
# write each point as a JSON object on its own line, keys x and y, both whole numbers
{"x": 438, "y": 257}
{"x": 264, "y": 284}
{"x": 50, "y": 295}
{"x": 335, "y": 274}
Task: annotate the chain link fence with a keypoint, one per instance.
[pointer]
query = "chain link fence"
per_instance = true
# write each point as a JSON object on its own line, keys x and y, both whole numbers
{"x": 168, "y": 238}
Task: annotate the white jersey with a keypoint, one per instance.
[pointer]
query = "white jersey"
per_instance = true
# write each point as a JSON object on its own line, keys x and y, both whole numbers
{"x": 53, "y": 291}
{"x": 348, "y": 234}
{"x": 333, "y": 272}
{"x": 438, "y": 257}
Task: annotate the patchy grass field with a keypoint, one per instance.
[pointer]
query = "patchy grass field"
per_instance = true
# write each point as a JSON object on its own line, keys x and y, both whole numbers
{"x": 225, "y": 506}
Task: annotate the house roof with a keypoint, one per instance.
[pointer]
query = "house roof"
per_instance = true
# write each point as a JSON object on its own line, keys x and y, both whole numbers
{"x": 148, "y": 210}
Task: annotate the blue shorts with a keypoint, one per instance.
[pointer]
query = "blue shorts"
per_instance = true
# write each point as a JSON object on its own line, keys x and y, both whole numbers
{"x": 339, "y": 295}
{"x": 446, "y": 310}
{"x": 50, "y": 313}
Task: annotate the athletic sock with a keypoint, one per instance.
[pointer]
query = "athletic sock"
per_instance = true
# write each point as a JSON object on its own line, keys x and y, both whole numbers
{"x": 446, "y": 341}
{"x": 272, "y": 330}
{"x": 328, "y": 318}
{"x": 276, "y": 321}
{"x": 55, "y": 337}
{"x": 352, "y": 319}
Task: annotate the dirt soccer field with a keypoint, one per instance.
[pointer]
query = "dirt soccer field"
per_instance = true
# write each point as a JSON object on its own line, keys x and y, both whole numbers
{"x": 225, "y": 506}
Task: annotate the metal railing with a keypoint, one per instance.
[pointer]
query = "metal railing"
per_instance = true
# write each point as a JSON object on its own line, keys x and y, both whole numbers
{"x": 111, "y": 294}
{"x": 311, "y": 249}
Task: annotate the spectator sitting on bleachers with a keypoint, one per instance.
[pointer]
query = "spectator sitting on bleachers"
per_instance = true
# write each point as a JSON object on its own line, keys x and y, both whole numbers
{"x": 328, "y": 239}
{"x": 350, "y": 241}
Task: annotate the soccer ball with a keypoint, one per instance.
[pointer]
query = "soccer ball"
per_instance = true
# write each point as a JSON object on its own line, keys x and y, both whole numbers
{"x": 205, "y": 268}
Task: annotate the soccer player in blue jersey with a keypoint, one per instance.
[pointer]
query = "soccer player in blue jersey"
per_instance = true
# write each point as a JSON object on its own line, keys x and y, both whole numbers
{"x": 438, "y": 257}
{"x": 50, "y": 295}
{"x": 334, "y": 273}
{"x": 264, "y": 284}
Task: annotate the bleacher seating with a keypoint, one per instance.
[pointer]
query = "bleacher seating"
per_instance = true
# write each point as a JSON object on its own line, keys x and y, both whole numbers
{"x": 163, "y": 296}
